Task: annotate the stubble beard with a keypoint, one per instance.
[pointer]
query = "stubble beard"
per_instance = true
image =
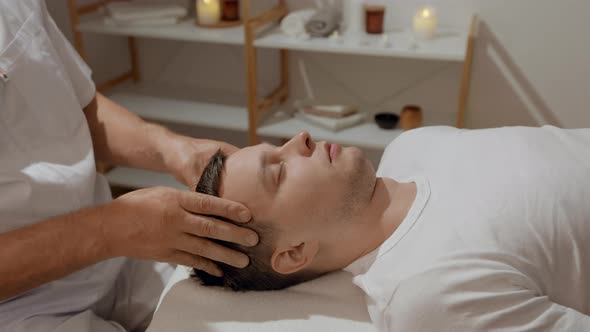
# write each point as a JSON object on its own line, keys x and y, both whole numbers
{"x": 359, "y": 190}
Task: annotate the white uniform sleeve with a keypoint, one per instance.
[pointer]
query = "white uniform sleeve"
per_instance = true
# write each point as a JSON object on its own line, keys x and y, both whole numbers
{"x": 476, "y": 309}
{"x": 78, "y": 71}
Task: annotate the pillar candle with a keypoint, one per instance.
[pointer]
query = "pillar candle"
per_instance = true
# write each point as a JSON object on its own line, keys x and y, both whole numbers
{"x": 425, "y": 23}
{"x": 208, "y": 11}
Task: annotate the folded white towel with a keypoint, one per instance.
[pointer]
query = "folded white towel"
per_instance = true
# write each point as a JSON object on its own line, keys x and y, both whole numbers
{"x": 330, "y": 111}
{"x": 138, "y": 10}
{"x": 293, "y": 25}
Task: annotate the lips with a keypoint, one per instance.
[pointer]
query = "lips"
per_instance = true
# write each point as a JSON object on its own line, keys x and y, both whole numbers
{"x": 328, "y": 148}
{"x": 332, "y": 150}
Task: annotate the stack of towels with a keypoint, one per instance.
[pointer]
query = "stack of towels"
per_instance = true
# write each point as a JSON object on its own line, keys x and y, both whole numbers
{"x": 144, "y": 13}
{"x": 332, "y": 117}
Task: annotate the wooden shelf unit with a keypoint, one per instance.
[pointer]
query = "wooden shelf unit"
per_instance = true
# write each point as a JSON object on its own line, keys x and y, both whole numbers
{"x": 454, "y": 46}
{"x": 88, "y": 18}
{"x": 255, "y": 34}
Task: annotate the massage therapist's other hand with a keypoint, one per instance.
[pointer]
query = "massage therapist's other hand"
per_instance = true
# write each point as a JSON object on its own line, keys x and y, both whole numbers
{"x": 168, "y": 225}
{"x": 189, "y": 157}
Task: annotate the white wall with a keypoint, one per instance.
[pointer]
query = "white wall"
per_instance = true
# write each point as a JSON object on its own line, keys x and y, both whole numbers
{"x": 530, "y": 65}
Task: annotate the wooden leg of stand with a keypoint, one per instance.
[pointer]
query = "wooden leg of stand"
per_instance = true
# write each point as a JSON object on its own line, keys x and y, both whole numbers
{"x": 285, "y": 74}
{"x": 251, "y": 72}
{"x": 466, "y": 76}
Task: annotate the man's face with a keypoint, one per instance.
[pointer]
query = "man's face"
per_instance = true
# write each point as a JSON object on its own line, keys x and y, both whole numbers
{"x": 305, "y": 189}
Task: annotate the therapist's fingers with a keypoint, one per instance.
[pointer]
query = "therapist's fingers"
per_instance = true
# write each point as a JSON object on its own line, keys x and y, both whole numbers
{"x": 220, "y": 230}
{"x": 213, "y": 251}
{"x": 211, "y": 205}
{"x": 200, "y": 263}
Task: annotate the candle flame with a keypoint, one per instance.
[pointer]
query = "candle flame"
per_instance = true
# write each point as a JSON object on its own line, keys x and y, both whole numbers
{"x": 426, "y": 13}
{"x": 207, "y": 2}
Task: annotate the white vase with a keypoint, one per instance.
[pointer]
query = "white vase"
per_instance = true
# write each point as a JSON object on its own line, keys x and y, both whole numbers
{"x": 352, "y": 16}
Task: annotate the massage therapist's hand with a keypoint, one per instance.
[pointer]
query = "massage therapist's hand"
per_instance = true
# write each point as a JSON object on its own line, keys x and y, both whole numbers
{"x": 169, "y": 225}
{"x": 189, "y": 157}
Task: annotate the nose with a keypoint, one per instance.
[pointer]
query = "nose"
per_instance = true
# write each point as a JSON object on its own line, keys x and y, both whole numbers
{"x": 301, "y": 144}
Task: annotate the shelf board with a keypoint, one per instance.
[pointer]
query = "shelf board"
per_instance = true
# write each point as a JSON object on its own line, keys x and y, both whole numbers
{"x": 186, "y": 30}
{"x": 366, "y": 135}
{"x": 448, "y": 46}
{"x": 183, "y": 111}
{"x": 138, "y": 178}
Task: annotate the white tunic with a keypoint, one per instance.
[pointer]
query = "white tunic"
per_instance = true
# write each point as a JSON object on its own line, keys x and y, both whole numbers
{"x": 47, "y": 164}
{"x": 498, "y": 238}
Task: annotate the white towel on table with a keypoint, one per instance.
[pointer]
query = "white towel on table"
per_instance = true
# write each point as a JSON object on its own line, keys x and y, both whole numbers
{"x": 330, "y": 303}
{"x": 293, "y": 25}
{"x": 323, "y": 23}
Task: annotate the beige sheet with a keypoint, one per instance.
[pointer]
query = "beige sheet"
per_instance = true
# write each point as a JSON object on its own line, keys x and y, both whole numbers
{"x": 331, "y": 303}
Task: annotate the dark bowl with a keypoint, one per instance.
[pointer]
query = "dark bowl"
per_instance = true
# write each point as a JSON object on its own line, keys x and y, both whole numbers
{"x": 386, "y": 120}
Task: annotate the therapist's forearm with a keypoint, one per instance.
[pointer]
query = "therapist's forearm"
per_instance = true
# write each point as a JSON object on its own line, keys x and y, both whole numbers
{"x": 122, "y": 138}
{"x": 50, "y": 250}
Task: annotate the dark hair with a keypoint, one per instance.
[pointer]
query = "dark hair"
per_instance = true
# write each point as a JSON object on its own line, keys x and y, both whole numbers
{"x": 259, "y": 274}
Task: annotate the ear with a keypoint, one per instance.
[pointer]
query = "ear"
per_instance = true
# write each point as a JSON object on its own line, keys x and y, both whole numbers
{"x": 291, "y": 259}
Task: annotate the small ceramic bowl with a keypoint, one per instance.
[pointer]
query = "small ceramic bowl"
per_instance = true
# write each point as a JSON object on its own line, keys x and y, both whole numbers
{"x": 386, "y": 120}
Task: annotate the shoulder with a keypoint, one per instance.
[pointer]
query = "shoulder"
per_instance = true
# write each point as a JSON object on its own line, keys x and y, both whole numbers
{"x": 408, "y": 152}
{"x": 421, "y": 139}
{"x": 423, "y": 134}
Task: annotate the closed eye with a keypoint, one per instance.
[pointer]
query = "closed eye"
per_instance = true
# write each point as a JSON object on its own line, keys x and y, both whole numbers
{"x": 280, "y": 172}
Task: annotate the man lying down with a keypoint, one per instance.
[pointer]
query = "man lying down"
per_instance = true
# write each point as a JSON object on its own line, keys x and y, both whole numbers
{"x": 459, "y": 230}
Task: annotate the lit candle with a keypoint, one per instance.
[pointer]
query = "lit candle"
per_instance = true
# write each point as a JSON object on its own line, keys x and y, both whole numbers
{"x": 425, "y": 23}
{"x": 208, "y": 12}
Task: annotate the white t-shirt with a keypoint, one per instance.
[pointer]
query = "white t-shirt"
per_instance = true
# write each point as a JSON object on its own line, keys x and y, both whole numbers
{"x": 498, "y": 238}
{"x": 47, "y": 164}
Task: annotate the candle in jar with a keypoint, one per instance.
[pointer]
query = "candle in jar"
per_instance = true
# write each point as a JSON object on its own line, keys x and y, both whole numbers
{"x": 230, "y": 10}
{"x": 425, "y": 22}
{"x": 374, "y": 16}
{"x": 208, "y": 12}
{"x": 411, "y": 117}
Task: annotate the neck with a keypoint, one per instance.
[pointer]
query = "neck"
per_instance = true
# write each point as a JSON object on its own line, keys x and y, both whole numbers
{"x": 389, "y": 205}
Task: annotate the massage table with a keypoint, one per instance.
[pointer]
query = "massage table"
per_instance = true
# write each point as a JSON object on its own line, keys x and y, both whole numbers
{"x": 330, "y": 303}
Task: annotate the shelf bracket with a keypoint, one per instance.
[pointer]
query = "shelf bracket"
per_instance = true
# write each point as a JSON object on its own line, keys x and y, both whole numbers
{"x": 280, "y": 94}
